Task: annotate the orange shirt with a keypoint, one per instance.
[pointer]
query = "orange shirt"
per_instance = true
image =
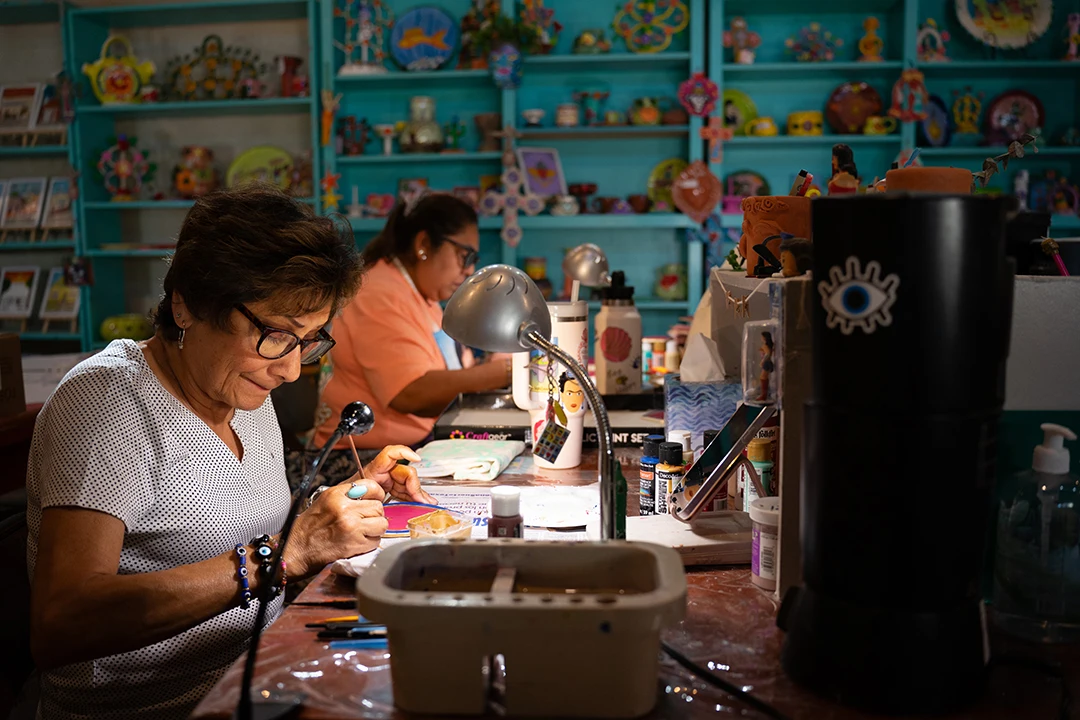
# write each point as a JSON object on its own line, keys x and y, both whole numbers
{"x": 385, "y": 341}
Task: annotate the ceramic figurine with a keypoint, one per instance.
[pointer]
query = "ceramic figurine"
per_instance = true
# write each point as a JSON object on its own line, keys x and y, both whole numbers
{"x": 592, "y": 105}
{"x": 871, "y": 44}
{"x": 909, "y": 97}
{"x": 364, "y": 30}
{"x": 329, "y": 184}
{"x": 213, "y": 71}
{"x": 582, "y": 191}
{"x": 533, "y": 117}
{"x": 645, "y": 111}
{"x": 379, "y": 204}
{"x": 813, "y": 44}
{"x": 480, "y": 11}
{"x": 117, "y": 76}
{"x": 742, "y": 41}
{"x": 1073, "y": 40}
{"x": 330, "y": 105}
{"x": 355, "y": 135}
{"x": 965, "y": 111}
{"x": 843, "y": 170}
{"x": 1070, "y": 138}
{"x": 536, "y": 269}
{"x": 534, "y": 13}
{"x": 567, "y": 115}
{"x": 930, "y": 42}
{"x": 766, "y": 220}
{"x": 716, "y": 132}
{"x": 648, "y": 26}
{"x": 195, "y": 175}
{"x": 591, "y": 42}
{"x": 302, "y": 176}
{"x": 421, "y": 133}
{"x": 615, "y": 117}
{"x": 292, "y": 83}
{"x": 796, "y": 256}
{"x": 487, "y": 124}
{"x": 454, "y": 131}
{"x": 671, "y": 282}
{"x": 767, "y": 365}
{"x": 507, "y": 65}
{"x": 621, "y": 207}
{"x": 515, "y": 195}
{"x": 387, "y": 132}
{"x": 565, "y": 205}
{"x": 699, "y": 95}
{"x": 124, "y": 168}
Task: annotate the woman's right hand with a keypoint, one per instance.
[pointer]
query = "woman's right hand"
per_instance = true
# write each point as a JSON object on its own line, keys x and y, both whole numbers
{"x": 336, "y": 526}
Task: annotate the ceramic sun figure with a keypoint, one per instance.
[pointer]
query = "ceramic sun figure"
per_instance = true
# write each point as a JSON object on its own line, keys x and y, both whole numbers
{"x": 930, "y": 42}
{"x": 871, "y": 44}
{"x": 966, "y": 110}
{"x": 124, "y": 168}
{"x": 647, "y": 26}
{"x": 742, "y": 41}
{"x": 118, "y": 76}
{"x": 909, "y": 97}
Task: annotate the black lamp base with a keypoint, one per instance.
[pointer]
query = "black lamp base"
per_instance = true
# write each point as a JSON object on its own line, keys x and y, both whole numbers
{"x": 883, "y": 660}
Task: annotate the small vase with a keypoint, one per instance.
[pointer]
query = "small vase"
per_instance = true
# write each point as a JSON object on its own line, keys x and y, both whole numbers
{"x": 487, "y": 124}
{"x": 506, "y": 65}
{"x": 421, "y": 134}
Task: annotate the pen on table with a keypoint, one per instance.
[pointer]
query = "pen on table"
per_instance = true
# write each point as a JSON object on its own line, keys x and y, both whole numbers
{"x": 343, "y": 619}
{"x": 373, "y": 644}
{"x": 358, "y": 633}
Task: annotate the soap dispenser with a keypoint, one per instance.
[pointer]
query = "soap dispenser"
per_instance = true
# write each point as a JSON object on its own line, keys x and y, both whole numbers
{"x": 1037, "y": 555}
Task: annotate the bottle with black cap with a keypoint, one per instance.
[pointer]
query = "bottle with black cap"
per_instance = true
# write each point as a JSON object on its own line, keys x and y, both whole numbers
{"x": 669, "y": 473}
{"x": 618, "y": 339}
{"x": 647, "y": 474}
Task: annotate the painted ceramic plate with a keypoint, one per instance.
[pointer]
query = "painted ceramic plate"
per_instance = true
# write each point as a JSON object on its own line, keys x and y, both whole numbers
{"x": 662, "y": 178}
{"x": 935, "y": 129}
{"x": 1011, "y": 114}
{"x": 264, "y": 163}
{"x": 850, "y": 105}
{"x": 746, "y": 183}
{"x": 1005, "y": 23}
{"x": 398, "y": 515}
{"x": 739, "y": 109}
{"x": 424, "y": 38}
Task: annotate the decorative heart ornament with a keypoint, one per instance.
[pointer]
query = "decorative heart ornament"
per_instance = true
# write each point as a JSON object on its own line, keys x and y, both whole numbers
{"x": 697, "y": 191}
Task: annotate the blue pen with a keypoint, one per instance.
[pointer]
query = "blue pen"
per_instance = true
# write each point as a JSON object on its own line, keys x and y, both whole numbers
{"x": 370, "y": 644}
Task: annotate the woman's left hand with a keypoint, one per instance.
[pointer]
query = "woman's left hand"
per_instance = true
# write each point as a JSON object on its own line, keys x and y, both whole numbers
{"x": 398, "y": 481}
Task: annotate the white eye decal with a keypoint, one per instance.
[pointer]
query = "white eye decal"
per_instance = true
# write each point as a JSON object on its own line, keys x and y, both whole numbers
{"x": 853, "y": 298}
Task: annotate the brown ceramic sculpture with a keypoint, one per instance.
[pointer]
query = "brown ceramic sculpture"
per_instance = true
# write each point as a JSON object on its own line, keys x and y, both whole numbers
{"x": 955, "y": 181}
{"x": 766, "y": 220}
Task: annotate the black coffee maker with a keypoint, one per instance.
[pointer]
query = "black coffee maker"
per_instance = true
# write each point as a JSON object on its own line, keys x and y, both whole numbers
{"x": 911, "y": 309}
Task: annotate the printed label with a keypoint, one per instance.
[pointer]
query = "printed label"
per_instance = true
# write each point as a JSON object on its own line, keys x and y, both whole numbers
{"x": 647, "y": 492}
{"x": 763, "y": 552}
{"x": 666, "y": 482}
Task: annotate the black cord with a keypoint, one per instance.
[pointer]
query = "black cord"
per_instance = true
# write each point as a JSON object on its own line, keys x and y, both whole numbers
{"x": 1053, "y": 671}
{"x": 718, "y": 682}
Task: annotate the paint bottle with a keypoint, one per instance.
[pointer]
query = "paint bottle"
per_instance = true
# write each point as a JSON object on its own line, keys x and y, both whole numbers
{"x": 618, "y": 339}
{"x": 669, "y": 473}
{"x": 647, "y": 473}
{"x": 683, "y": 438}
{"x": 764, "y": 530}
{"x": 506, "y": 520}
{"x": 736, "y": 490}
{"x": 671, "y": 356}
{"x": 760, "y": 453}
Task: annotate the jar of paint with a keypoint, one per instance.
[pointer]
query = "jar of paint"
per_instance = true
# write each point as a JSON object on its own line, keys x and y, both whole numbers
{"x": 760, "y": 453}
{"x": 669, "y": 473}
{"x": 506, "y": 520}
{"x": 647, "y": 475}
{"x": 764, "y": 530}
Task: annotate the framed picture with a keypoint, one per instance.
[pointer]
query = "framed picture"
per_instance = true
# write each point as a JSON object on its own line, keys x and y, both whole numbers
{"x": 61, "y": 299}
{"x": 25, "y": 201}
{"x": 58, "y": 204}
{"x": 409, "y": 188}
{"x": 19, "y": 105}
{"x": 470, "y": 195}
{"x": 18, "y": 286}
{"x": 49, "y": 112}
{"x": 542, "y": 170}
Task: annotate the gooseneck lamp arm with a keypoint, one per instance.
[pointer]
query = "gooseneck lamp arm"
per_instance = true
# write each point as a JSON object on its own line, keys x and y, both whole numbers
{"x": 609, "y": 505}
{"x": 356, "y": 419}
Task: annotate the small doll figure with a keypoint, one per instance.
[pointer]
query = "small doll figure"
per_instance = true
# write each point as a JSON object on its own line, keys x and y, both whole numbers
{"x": 796, "y": 256}
{"x": 842, "y": 155}
{"x": 844, "y": 182}
{"x": 767, "y": 365}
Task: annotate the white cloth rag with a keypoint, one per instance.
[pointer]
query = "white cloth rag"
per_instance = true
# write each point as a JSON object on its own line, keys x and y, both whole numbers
{"x": 467, "y": 459}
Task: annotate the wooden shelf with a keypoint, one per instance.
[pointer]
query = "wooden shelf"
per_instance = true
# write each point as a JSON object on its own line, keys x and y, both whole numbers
{"x": 823, "y": 140}
{"x": 23, "y": 245}
{"x": 799, "y": 7}
{"x": 985, "y": 152}
{"x": 608, "y": 61}
{"x": 402, "y": 77}
{"x": 1065, "y": 222}
{"x": 69, "y": 336}
{"x": 785, "y": 70}
{"x": 193, "y": 13}
{"x": 425, "y": 158}
{"x": 605, "y": 132}
{"x": 152, "y": 204}
{"x": 255, "y": 106}
{"x": 998, "y": 67}
{"x": 10, "y": 151}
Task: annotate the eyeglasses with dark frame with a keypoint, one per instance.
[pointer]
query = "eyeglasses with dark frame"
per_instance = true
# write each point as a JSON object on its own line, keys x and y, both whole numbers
{"x": 275, "y": 343}
{"x": 471, "y": 254}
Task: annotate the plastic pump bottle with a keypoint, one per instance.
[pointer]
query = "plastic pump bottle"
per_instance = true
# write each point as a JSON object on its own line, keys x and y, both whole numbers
{"x": 618, "y": 339}
{"x": 1037, "y": 553}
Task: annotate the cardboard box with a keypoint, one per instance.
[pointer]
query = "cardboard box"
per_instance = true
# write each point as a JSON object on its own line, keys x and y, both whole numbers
{"x": 12, "y": 395}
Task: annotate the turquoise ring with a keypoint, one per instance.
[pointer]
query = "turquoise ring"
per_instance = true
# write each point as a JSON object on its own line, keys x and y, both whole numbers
{"x": 356, "y": 491}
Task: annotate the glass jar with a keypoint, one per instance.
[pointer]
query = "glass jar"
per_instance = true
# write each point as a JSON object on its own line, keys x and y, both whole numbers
{"x": 421, "y": 134}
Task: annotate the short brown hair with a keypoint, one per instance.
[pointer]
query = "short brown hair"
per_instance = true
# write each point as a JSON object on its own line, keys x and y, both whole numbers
{"x": 255, "y": 243}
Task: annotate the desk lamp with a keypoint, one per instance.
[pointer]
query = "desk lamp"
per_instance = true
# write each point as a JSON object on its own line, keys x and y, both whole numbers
{"x": 499, "y": 309}
{"x": 586, "y": 265}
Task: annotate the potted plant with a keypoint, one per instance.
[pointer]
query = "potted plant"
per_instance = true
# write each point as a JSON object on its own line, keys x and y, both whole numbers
{"x": 504, "y": 40}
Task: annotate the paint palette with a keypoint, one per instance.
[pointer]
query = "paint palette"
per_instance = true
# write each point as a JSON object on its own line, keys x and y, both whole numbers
{"x": 399, "y": 514}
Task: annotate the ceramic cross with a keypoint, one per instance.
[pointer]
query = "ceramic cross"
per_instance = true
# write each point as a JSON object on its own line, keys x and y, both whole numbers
{"x": 716, "y": 134}
{"x": 515, "y": 197}
{"x": 509, "y": 136}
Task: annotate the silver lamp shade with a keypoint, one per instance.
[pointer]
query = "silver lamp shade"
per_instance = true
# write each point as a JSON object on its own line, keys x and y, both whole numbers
{"x": 588, "y": 265}
{"x": 494, "y": 310}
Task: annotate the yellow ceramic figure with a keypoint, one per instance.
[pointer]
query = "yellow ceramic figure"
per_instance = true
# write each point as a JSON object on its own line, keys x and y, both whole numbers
{"x": 118, "y": 76}
{"x": 806, "y": 122}
{"x": 761, "y": 127}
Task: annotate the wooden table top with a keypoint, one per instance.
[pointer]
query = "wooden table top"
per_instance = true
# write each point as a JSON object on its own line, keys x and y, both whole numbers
{"x": 730, "y": 627}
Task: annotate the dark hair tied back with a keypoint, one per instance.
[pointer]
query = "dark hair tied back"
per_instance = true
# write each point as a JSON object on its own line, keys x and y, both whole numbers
{"x": 438, "y": 214}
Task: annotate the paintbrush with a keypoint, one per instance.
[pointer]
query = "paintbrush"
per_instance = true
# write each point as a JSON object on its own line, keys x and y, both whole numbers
{"x": 1050, "y": 247}
{"x": 360, "y": 468}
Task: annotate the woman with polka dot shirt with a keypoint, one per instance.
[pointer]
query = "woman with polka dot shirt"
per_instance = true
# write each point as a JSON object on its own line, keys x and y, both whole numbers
{"x": 154, "y": 465}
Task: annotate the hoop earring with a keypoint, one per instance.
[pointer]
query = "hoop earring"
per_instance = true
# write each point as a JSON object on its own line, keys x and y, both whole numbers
{"x": 180, "y": 340}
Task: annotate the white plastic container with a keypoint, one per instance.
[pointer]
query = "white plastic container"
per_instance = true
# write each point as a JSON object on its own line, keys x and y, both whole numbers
{"x": 618, "y": 340}
{"x": 577, "y": 624}
{"x": 764, "y": 530}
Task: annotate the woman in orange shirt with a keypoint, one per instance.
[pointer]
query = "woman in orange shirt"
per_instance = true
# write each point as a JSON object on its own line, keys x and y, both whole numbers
{"x": 391, "y": 351}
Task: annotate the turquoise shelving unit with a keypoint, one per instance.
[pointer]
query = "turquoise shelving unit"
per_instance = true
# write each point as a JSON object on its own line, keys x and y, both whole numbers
{"x": 618, "y": 159}
{"x": 107, "y": 235}
{"x": 780, "y": 86}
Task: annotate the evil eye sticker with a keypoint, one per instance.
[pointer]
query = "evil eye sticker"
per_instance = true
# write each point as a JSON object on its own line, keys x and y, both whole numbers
{"x": 854, "y": 298}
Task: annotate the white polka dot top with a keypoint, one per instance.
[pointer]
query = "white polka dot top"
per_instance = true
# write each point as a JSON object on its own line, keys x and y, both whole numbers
{"x": 112, "y": 439}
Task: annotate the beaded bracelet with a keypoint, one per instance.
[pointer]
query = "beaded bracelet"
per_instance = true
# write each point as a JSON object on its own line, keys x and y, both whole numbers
{"x": 265, "y": 548}
{"x": 242, "y": 574}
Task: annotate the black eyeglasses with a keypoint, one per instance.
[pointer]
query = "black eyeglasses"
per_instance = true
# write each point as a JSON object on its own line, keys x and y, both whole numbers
{"x": 275, "y": 343}
{"x": 471, "y": 254}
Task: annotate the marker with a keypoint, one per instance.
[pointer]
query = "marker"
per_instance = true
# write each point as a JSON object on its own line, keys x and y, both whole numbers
{"x": 353, "y": 633}
{"x": 373, "y": 644}
{"x": 801, "y": 184}
{"x": 342, "y": 619}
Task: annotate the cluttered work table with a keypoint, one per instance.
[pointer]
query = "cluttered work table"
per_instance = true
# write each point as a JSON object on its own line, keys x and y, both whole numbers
{"x": 730, "y": 629}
